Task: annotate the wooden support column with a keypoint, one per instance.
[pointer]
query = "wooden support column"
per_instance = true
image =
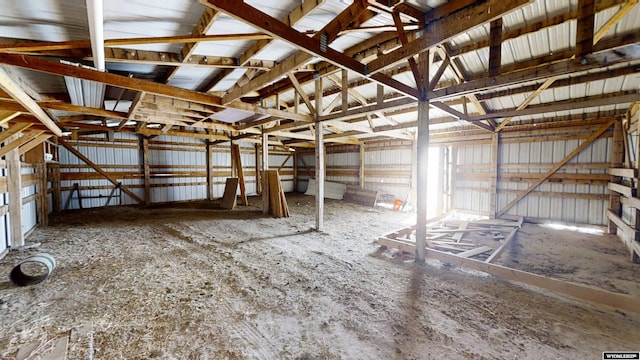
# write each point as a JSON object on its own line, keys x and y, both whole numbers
{"x": 14, "y": 188}
{"x": 146, "y": 169}
{"x": 362, "y": 162}
{"x": 57, "y": 191}
{"x": 422, "y": 179}
{"x": 493, "y": 184}
{"x": 414, "y": 174}
{"x": 295, "y": 171}
{"x": 344, "y": 91}
{"x": 256, "y": 155}
{"x": 453, "y": 176}
{"x": 265, "y": 167}
{"x": 320, "y": 157}
{"x": 422, "y": 164}
{"x": 210, "y": 178}
{"x": 440, "y": 187}
{"x": 585, "y": 27}
{"x": 495, "y": 47}
{"x": 617, "y": 157}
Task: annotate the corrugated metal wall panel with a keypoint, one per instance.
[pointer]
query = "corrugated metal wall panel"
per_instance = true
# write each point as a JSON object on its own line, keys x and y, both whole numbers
{"x": 560, "y": 207}
{"x": 29, "y": 210}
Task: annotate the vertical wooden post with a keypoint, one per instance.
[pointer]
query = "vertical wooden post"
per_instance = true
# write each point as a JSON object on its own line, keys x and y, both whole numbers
{"x": 495, "y": 47}
{"x": 210, "y": 178}
{"x": 14, "y": 188}
{"x": 345, "y": 90}
{"x": 320, "y": 157}
{"x": 453, "y": 176}
{"x": 422, "y": 164}
{"x": 146, "y": 170}
{"x": 635, "y": 257}
{"x": 295, "y": 171}
{"x": 617, "y": 157}
{"x": 493, "y": 181}
{"x": 440, "y": 187}
{"x": 256, "y": 155}
{"x": 362, "y": 162}
{"x": 265, "y": 167}
{"x": 585, "y": 28}
{"x": 422, "y": 179}
{"x": 413, "y": 187}
{"x": 57, "y": 191}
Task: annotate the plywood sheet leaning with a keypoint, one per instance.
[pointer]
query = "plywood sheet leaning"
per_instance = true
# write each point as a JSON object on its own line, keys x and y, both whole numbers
{"x": 229, "y": 198}
{"x": 332, "y": 190}
{"x": 277, "y": 201}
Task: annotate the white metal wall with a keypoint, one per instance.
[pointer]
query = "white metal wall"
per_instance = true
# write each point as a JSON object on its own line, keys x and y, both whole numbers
{"x": 127, "y": 154}
{"x": 178, "y": 169}
{"x": 386, "y": 171}
{"x": 29, "y": 210}
{"x": 563, "y": 201}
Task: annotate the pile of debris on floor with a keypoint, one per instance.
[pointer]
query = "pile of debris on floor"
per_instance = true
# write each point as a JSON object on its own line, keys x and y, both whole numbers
{"x": 482, "y": 239}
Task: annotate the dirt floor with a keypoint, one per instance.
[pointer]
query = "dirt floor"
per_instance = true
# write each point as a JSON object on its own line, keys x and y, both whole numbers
{"x": 191, "y": 282}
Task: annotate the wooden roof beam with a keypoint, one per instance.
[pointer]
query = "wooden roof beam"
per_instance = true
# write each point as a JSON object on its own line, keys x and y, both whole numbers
{"x": 16, "y": 92}
{"x": 205, "y": 22}
{"x": 560, "y": 68}
{"x": 11, "y": 45}
{"x": 291, "y": 19}
{"x": 134, "y": 56}
{"x": 56, "y": 68}
{"x": 621, "y": 97}
{"x": 436, "y": 32}
{"x": 355, "y": 12}
{"x": 318, "y": 45}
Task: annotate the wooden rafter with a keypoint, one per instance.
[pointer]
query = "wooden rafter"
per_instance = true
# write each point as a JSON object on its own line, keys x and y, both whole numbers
{"x": 317, "y": 45}
{"x": 34, "y": 143}
{"x": 16, "y": 92}
{"x": 587, "y": 102}
{"x": 566, "y": 67}
{"x": 291, "y": 19}
{"x": 21, "y": 45}
{"x": 301, "y": 93}
{"x": 205, "y": 22}
{"x": 25, "y": 138}
{"x": 36, "y": 63}
{"x": 147, "y": 57}
{"x": 441, "y": 30}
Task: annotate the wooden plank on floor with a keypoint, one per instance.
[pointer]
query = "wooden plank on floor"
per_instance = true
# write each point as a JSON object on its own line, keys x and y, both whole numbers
{"x": 476, "y": 251}
{"x": 577, "y": 291}
{"x": 458, "y": 236}
{"x": 230, "y": 196}
{"x": 494, "y": 256}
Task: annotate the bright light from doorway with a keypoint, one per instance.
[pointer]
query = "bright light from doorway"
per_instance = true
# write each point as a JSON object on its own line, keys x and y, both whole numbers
{"x": 580, "y": 229}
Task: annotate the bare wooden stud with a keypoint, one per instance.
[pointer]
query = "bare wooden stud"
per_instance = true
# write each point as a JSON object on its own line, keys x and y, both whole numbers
{"x": 14, "y": 188}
